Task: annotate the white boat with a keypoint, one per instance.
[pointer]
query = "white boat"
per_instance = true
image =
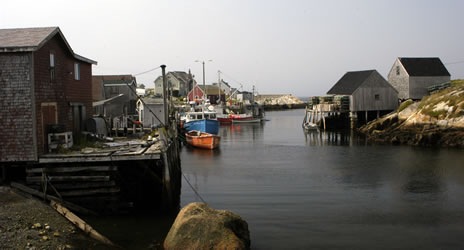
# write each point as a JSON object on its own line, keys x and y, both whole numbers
{"x": 309, "y": 122}
{"x": 309, "y": 126}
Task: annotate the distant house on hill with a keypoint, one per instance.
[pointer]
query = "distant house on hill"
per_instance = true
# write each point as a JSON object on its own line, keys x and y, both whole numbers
{"x": 44, "y": 87}
{"x": 224, "y": 87}
{"x": 412, "y": 76}
{"x": 368, "y": 92}
{"x": 181, "y": 83}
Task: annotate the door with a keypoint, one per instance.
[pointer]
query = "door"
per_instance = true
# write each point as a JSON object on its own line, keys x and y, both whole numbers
{"x": 49, "y": 117}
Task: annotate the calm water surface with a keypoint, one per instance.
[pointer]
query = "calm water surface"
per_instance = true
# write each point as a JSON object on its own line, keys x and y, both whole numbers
{"x": 326, "y": 191}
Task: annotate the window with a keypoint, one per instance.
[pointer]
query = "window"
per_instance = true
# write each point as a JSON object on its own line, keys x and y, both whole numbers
{"x": 77, "y": 71}
{"x": 52, "y": 66}
{"x": 206, "y": 116}
{"x": 199, "y": 117}
{"x": 377, "y": 97}
{"x": 397, "y": 70}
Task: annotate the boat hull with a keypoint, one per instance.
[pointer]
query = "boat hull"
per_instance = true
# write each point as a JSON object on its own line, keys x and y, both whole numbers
{"x": 309, "y": 126}
{"x": 205, "y": 125}
{"x": 247, "y": 120}
{"x": 223, "y": 120}
{"x": 202, "y": 140}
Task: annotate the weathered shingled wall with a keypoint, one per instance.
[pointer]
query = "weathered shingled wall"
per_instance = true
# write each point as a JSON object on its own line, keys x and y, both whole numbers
{"x": 16, "y": 114}
{"x": 62, "y": 90}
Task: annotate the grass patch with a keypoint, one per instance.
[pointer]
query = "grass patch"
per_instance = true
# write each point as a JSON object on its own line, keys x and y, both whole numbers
{"x": 457, "y": 82}
{"x": 428, "y": 103}
{"x": 82, "y": 141}
{"x": 404, "y": 105}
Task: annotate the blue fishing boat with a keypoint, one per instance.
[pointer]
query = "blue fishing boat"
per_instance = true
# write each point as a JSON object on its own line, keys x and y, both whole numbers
{"x": 202, "y": 121}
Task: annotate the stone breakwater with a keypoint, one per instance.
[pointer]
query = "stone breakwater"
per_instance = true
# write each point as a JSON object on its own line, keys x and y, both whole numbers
{"x": 437, "y": 120}
{"x": 280, "y": 102}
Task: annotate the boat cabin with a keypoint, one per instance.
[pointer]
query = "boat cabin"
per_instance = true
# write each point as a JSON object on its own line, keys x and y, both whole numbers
{"x": 194, "y": 116}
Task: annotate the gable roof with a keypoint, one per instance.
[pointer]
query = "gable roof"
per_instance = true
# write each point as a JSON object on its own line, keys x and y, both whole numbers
{"x": 32, "y": 39}
{"x": 210, "y": 89}
{"x": 424, "y": 66}
{"x": 196, "y": 87}
{"x": 350, "y": 82}
{"x": 180, "y": 75}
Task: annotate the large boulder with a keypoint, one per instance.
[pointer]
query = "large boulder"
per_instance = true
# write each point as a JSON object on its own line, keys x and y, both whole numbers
{"x": 198, "y": 226}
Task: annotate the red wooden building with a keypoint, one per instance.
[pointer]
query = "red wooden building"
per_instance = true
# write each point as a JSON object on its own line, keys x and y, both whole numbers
{"x": 212, "y": 94}
{"x": 42, "y": 82}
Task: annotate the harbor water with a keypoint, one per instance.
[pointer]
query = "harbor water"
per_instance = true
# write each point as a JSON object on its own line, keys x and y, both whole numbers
{"x": 329, "y": 190}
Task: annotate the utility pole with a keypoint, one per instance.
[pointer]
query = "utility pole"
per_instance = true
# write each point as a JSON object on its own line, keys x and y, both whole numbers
{"x": 165, "y": 102}
{"x": 204, "y": 84}
{"x": 253, "y": 95}
{"x": 219, "y": 86}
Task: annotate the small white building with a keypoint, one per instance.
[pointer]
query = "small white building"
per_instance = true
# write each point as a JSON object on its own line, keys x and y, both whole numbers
{"x": 151, "y": 111}
{"x": 140, "y": 92}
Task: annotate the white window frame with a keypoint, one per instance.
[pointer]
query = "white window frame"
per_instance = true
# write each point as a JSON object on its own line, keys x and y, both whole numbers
{"x": 52, "y": 60}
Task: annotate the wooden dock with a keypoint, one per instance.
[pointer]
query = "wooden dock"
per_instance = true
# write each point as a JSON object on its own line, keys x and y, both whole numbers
{"x": 124, "y": 176}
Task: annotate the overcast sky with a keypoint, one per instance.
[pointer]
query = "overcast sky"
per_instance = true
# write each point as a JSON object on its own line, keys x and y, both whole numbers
{"x": 282, "y": 46}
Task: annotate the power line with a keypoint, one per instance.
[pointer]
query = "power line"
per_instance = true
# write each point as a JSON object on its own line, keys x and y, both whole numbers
{"x": 145, "y": 105}
{"x": 222, "y": 72}
{"x": 194, "y": 190}
{"x": 148, "y": 71}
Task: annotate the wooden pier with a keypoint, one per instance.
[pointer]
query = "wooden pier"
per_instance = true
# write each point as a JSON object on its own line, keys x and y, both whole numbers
{"x": 128, "y": 175}
{"x": 336, "y": 112}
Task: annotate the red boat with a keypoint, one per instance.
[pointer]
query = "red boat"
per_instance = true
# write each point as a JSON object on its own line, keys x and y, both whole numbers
{"x": 242, "y": 118}
{"x": 202, "y": 140}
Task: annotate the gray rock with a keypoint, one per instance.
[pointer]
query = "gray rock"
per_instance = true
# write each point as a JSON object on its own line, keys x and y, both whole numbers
{"x": 198, "y": 226}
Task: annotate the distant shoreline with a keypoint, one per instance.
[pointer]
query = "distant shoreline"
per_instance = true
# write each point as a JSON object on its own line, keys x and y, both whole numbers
{"x": 268, "y": 107}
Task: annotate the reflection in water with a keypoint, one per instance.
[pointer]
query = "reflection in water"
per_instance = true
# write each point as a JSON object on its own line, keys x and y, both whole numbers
{"x": 204, "y": 153}
{"x": 235, "y": 132}
{"x": 330, "y": 189}
{"x": 332, "y": 138}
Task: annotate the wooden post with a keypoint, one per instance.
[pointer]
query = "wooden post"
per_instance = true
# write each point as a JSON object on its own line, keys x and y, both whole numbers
{"x": 165, "y": 83}
{"x": 167, "y": 181}
{"x": 323, "y": 118}
{"x": 353, "y": 120}
{"x": 51, "y": 198}
{"x": 74, "y": 219}
{"x": 378, "y": 114}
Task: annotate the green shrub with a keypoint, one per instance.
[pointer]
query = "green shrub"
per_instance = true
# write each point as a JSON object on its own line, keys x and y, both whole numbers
{"x": 405, "y": 104}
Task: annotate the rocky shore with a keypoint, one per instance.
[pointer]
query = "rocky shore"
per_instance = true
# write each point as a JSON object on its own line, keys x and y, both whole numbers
{"x": 437, "y": 120}
{"x": 27, "y": 223}
{"x": 280, "y": 102}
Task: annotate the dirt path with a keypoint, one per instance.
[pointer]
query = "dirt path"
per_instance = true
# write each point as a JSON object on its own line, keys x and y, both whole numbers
{"x": 27, "y": 223}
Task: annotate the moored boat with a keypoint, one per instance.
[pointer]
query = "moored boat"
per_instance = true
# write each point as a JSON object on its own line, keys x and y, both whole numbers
{"x": 202, "y": 140}
{"x": 224, "y": 119}
{"x": 245, "y": 119}
{"x": 204, "y": 121}
{"x": 309, "y": 126}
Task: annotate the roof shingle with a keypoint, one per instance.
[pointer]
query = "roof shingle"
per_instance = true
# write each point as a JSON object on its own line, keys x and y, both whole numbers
{"x": 350, "y": 82}
{"x": 425, "y": 66}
